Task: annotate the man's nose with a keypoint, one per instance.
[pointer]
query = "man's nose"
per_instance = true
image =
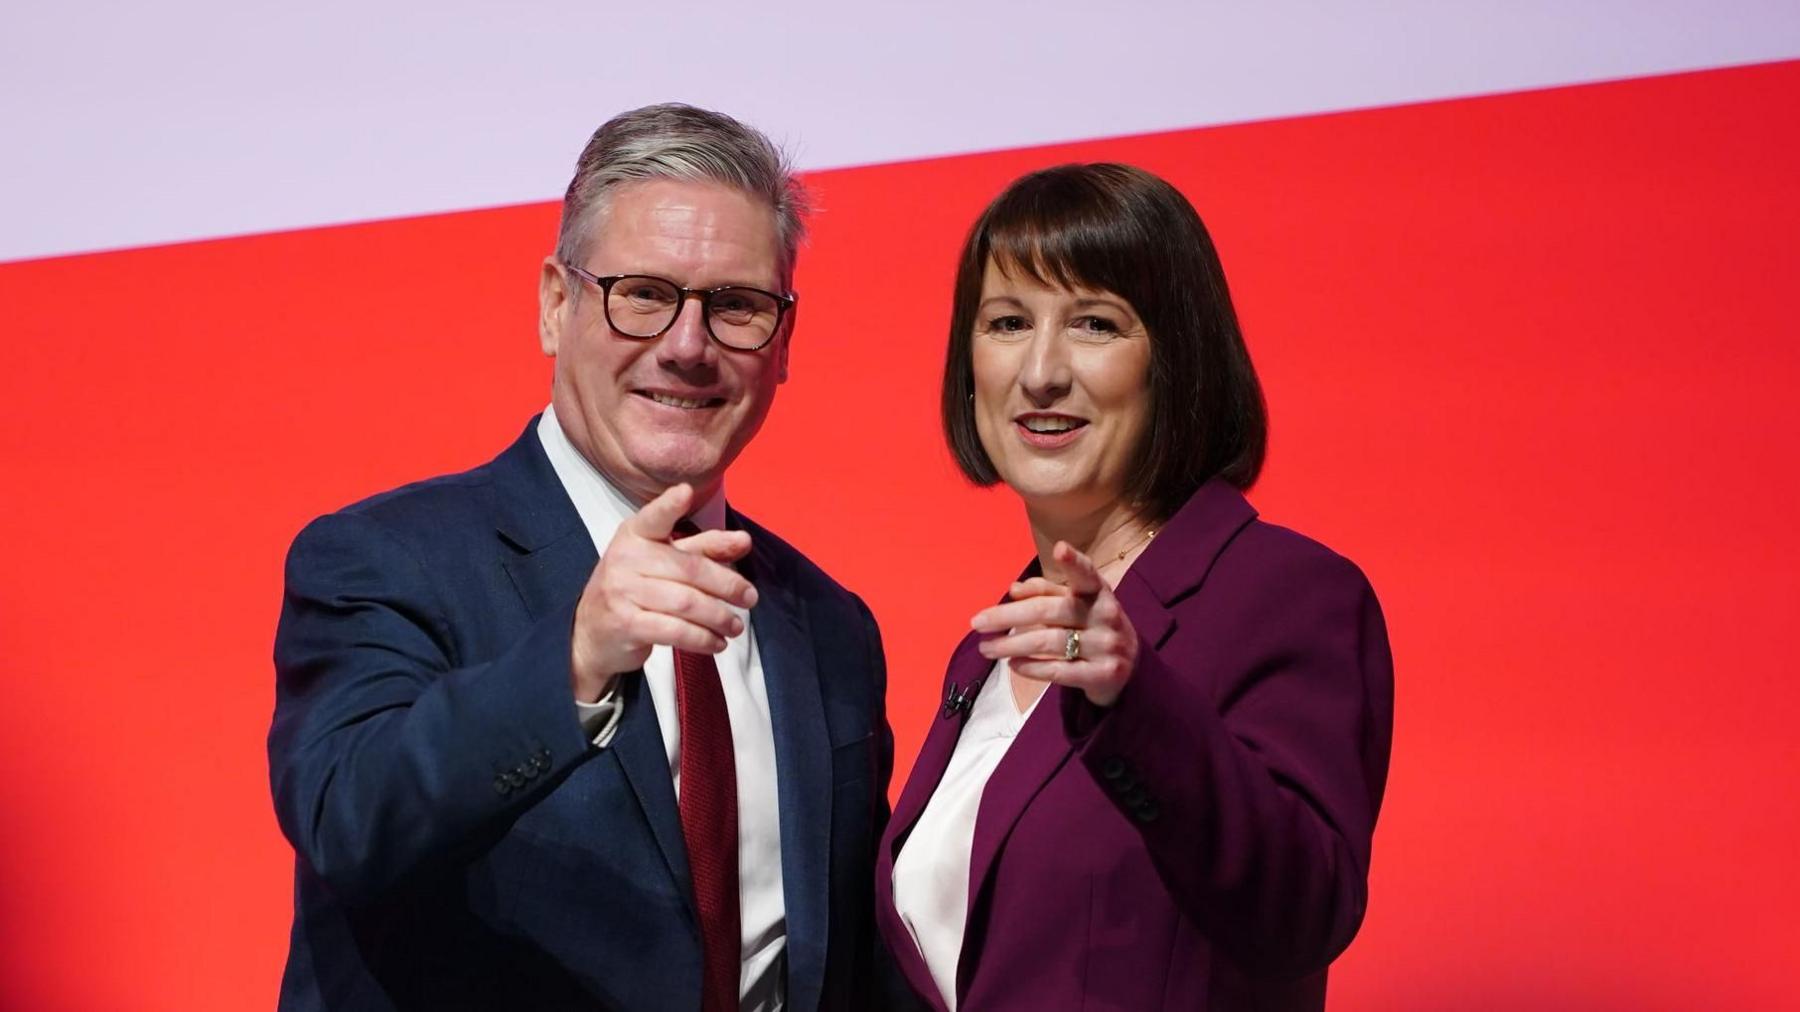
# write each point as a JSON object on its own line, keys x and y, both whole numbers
{"x": 686, "y": 341}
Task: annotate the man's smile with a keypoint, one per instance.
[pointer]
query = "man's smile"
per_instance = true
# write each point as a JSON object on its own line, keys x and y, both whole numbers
{"x": 690, "y": 401}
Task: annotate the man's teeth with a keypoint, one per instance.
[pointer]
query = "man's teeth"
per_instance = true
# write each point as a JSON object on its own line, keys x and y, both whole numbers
{"x": 677, "y": 402}
{"x": 1052, "y": 424}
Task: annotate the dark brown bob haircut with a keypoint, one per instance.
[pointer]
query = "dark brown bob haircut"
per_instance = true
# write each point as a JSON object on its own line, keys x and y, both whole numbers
{"x": 1119, "y": 229}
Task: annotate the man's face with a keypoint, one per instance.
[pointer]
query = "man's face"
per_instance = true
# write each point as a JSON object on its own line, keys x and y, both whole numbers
{"x": 680, "y": 407}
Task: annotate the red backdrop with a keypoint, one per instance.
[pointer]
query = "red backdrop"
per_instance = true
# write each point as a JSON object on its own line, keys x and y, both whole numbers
{"x": 1530, "y": 361}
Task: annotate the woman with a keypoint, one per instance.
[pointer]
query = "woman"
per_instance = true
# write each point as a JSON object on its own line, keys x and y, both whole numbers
{"x": 1156, "y": 773}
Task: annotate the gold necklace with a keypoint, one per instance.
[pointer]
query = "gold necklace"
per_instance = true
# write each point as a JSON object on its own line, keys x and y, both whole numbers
{"x": 1115, "y": 560}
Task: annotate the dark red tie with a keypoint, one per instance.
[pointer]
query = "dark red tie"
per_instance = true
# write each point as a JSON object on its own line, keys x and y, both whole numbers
{"x": 709, "y": 821}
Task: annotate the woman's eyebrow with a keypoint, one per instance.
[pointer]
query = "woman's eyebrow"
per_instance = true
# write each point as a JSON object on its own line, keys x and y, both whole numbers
{"x": 1114, "y": 303}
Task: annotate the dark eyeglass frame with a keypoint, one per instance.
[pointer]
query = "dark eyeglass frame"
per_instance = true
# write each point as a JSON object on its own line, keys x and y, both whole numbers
{"x": 783, "y": 303}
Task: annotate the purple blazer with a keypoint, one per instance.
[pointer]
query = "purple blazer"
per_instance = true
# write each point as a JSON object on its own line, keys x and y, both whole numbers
{"x": 1204, "y": 842}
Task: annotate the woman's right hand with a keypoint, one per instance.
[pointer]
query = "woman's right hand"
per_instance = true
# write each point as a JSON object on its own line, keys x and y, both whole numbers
{"x": 1045, "y": 619}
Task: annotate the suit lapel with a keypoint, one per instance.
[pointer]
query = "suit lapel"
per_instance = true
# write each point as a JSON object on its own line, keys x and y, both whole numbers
{"x": 553, "y": 557}
{"x": 1148, "y": 616}
{"x": 1183, "y": 552}
{"x": 784, "y": 645}
{"x": 966, "y": 666}
{"x": 1031, "y": 760}
{"x": 638, "y": 747}
{"x": 550, "y": 575}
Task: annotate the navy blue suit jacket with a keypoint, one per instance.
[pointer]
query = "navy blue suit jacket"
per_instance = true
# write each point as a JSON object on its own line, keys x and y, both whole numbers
{"x": 460, "y": 844}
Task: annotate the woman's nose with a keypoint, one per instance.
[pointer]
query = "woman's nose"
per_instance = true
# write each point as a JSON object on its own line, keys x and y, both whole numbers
{"x": 1044, "y": 375}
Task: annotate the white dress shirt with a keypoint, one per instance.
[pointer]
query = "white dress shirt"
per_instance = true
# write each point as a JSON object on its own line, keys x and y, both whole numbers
{"x": 931, "y": 873}
{"x": 761, "y": 911}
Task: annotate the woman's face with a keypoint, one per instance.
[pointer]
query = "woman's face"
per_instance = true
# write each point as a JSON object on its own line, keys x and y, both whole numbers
{"x": 1061, "y": 389}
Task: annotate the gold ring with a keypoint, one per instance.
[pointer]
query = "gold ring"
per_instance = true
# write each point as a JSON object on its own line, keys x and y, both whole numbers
{"x": 1072, "y": 645}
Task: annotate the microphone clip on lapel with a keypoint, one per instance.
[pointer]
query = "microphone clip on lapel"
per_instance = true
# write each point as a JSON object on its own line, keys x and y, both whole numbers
{"x": 961, "y": 698}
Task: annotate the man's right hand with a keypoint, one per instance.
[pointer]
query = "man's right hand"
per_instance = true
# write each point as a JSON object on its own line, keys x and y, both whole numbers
{"x": 649, "y": 590}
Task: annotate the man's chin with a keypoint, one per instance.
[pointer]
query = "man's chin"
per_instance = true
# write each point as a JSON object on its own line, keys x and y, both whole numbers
{"x": 703, "y": 471}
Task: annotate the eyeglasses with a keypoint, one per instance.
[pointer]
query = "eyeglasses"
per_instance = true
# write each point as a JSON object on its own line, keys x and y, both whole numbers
{"x": 644, "y": 306}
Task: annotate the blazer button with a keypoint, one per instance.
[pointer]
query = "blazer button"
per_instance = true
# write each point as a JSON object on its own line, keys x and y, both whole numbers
{"x": 1112, "y": 768}
{"x": 501, "y": 787}
{"x": 541, "y": 763}
{"x": 515, "y": 778}
{"x": 1146, "y": 812}
{"x": 1134, "y": 795}
{"x": 528, "y": 771}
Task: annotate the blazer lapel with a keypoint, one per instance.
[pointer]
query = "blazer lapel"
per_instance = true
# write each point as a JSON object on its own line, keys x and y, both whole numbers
{"x": 553, "y": 558}
{"x": 637, "y": 745}
{"x": 552, "y": 573}
{"x": 1179, "y": 558}
{"x": 1183, "y": 552}
{"x": 802, "y": 766}
{"x": 552, "y": 553}
{"x": 1148, "y": 616}
{"x": 966, "y": 666}
{"x": 1030, "y": 761}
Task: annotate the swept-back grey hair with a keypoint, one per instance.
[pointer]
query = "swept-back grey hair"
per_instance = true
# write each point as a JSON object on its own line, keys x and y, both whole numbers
{"x": 681, "y": 142}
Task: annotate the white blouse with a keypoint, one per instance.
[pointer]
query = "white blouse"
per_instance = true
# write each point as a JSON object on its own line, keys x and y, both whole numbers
{"x": 931, "y": 873}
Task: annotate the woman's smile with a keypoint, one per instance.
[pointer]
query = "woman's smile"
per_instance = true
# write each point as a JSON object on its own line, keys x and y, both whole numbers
{"x": 1048, "y": 431}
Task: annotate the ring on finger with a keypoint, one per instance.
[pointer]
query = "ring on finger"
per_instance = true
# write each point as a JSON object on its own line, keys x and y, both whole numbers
{"x": 1072, "y": 645}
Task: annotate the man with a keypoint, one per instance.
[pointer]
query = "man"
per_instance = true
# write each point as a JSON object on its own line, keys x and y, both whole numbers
{"x": 565, "y": 731}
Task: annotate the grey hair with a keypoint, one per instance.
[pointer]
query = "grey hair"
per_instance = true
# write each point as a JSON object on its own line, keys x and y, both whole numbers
{"x": 681, "y": 142}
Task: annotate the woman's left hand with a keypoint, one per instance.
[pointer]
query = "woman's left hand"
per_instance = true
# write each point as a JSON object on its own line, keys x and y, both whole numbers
{"x": 1036, "y": 626}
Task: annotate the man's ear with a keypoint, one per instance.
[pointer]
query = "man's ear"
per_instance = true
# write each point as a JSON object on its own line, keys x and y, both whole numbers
{"x": 787, "y": 339}
{"x": 554, "y": 300}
